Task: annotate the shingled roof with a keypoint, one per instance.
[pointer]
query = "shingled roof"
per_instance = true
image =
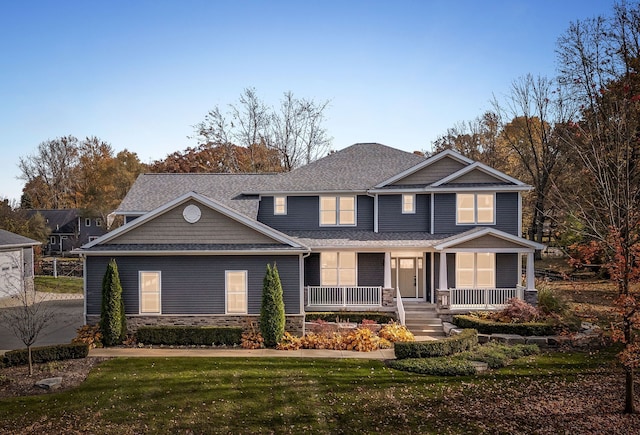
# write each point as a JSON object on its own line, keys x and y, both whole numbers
{"x": 151, "y": 191}
{"x": 12, "y": 240}
{"x": 356, "y": 168}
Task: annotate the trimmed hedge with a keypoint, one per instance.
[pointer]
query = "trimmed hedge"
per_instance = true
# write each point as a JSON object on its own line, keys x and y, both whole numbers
{"x": 45, "y": 354}
{"x": 484, "y": 326}
{"x": 440, "y": 366}
{"x": 189, "y": 335}
{"x": 498, "y": 355}
{"x": 466, "y": 340}
{"x": 352, "y": 316}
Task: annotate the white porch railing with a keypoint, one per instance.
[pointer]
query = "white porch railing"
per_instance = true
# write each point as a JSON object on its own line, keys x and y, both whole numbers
{"x": 400, "y": 308}
{"x": 482, "y": 298}
{"x": 344, "y": 296}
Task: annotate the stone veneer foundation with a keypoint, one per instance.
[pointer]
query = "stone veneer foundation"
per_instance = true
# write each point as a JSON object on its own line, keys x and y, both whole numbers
{"x": 294, "y": 323}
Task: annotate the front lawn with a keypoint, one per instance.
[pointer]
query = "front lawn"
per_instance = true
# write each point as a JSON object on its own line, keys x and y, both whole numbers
{"x": 62, "y": 284}
{"x": 549, "y": 393}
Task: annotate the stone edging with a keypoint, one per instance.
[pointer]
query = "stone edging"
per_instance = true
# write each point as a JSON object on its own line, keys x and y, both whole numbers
{"x": 589, "y": 335}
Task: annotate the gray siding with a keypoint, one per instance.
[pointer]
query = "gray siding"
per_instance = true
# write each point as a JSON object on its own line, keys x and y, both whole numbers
{"x": 370, "y": 269}
{"x": 391, "y": 218}
{"x": 303, "y": 214}
{"x": 445, "y": 214}
{"x": 475, "y": 176}
{"x": 488, "y": 242}
{"x": 213, "y": 227}
{"x": 507, "y": 270}
{"x": 432, "y": 173}
{"x": 194, "y": 284}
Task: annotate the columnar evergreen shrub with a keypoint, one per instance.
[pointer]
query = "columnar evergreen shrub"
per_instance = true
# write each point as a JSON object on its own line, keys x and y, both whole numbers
{"x": 112, "y": 317}
{"x": 272, "y": 317}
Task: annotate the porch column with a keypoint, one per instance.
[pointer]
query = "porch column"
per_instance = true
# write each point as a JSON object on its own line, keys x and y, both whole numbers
{"x": 531, "y": 275}
{"x": 443, "y": 285}
{"x": 387, "y": 270}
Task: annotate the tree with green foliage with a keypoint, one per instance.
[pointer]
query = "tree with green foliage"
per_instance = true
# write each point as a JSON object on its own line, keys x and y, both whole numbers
{"x": 272, "y": 317}
{"x": 113, "y": 322}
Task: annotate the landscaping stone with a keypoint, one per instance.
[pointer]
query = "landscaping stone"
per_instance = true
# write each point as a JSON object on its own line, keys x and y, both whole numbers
{"x": 49, "y": 383}
{"x": 480, "y": 366}
{"x": 539, "y": 340}
{"x": 484, "y": 338}
{"x": 557, "y": 340}
{"x": 508, "y": 338}
{"x": 447, "y": 327}
{"x": 455, "y": 331}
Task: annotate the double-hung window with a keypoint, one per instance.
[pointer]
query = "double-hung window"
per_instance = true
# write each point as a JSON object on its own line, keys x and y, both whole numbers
{"x": 475, "y": 208}
{"x": 279, "y": 205}
{"x": 337, "y": 210}
{"x": 150, "y": 286}
{"x": 236, "y": 290}
{"x": 475, "y": 270}
{"x": 338, "y": 268}
{"x": 408, "y": 203}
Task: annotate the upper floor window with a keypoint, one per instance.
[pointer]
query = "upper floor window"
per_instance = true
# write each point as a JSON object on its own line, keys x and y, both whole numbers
{"x": 279, "y": 205}
{"x": 475, "y": 208}
{"x": 408, "y": 203}
{"x": 98, "y": 222}
{"x": 87, "y": 222}
{"x": 337, "y": 210}
{"x": 338, "y": 268}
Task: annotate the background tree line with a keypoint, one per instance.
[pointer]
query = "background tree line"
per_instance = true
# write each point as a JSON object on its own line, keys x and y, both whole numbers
{"x": 576, "y": 139}
{"x": 249, "y": 136}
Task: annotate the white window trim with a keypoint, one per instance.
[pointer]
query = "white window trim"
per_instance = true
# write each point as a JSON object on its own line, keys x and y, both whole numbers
{"x": 150, "y": 313}
{"x": 98, "y": 222}
{"x": 336, "y": 198}
{"x": 413, "y": 203}
{"x": 87, "y": 222}
{"x": 475, "y": 269}
{"x": 275, "y": 207}
{"x": 92, "y": 238}
{"x": 475, "y": 209}
{"x": 226, "y": 292}
{"x": 337, "y": 268}
{"x": 52, "y": 240}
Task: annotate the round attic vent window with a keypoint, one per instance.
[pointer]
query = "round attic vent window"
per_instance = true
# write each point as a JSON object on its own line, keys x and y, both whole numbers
{"x": 191, "y": 214}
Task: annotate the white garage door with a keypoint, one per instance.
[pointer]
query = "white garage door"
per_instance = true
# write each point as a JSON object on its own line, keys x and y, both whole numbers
{"x": 10, "y": 273}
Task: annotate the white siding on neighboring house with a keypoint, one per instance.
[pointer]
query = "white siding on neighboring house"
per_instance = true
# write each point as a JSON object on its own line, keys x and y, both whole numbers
{"x": 11, "y": 276}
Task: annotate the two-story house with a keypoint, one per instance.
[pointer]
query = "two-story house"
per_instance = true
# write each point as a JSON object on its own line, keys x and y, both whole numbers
{"x": 69, "y": 229}
{"x": 367, "y": 227}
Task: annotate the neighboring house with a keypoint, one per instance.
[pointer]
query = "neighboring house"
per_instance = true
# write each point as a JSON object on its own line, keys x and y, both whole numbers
{"x": 367, "y": 227}
{"x": 69, "y": 229}
{"x": 16, "y": 263}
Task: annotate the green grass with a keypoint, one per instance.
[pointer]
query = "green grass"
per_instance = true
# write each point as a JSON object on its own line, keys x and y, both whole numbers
{"x": 288, "y": 395}
{"x": 61, "y": 284}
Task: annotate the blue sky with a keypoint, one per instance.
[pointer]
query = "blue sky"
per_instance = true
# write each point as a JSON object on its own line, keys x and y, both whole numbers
{"x": 139, "y": 74}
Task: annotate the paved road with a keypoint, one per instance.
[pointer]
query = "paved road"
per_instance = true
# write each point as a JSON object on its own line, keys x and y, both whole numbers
{"x": 62, "y": 329}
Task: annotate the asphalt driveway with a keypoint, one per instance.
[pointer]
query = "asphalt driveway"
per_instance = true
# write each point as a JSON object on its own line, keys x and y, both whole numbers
{"x": 68, "y": 310}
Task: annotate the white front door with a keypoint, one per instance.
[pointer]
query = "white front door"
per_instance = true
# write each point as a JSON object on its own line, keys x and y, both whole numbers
{"x": 407, "y": 277}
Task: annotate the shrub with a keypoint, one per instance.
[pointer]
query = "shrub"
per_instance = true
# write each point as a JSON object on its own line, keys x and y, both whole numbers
{"x": 549, "y": 302}
{"x": 289, "y": 342}
{"x": 484, "y": 326}
{"x": 351, "y": 316}
{"x": 112, "y": 316}
{"x": 45, "y": 354}
{"x": 395, "y": 332}
{"x": 517, "y": 311}
{"x": 90, "y": 335}
{"x": 251, "y": 338}
{"x": 272, "y": 316}
{"x": 441, "y": 366}
{"x": 189, "y": 335}
{"x": 447, "y": 346}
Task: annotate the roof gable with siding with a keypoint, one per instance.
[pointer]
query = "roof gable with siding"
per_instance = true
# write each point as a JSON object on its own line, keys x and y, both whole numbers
{"x": 432, "y": 173}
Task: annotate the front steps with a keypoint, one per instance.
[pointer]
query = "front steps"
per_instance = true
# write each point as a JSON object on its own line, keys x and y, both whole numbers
{"x": 421, "y": 319}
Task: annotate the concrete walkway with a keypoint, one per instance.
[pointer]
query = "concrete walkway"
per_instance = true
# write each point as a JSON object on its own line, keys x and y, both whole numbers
{"x": 158, "y": 352}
